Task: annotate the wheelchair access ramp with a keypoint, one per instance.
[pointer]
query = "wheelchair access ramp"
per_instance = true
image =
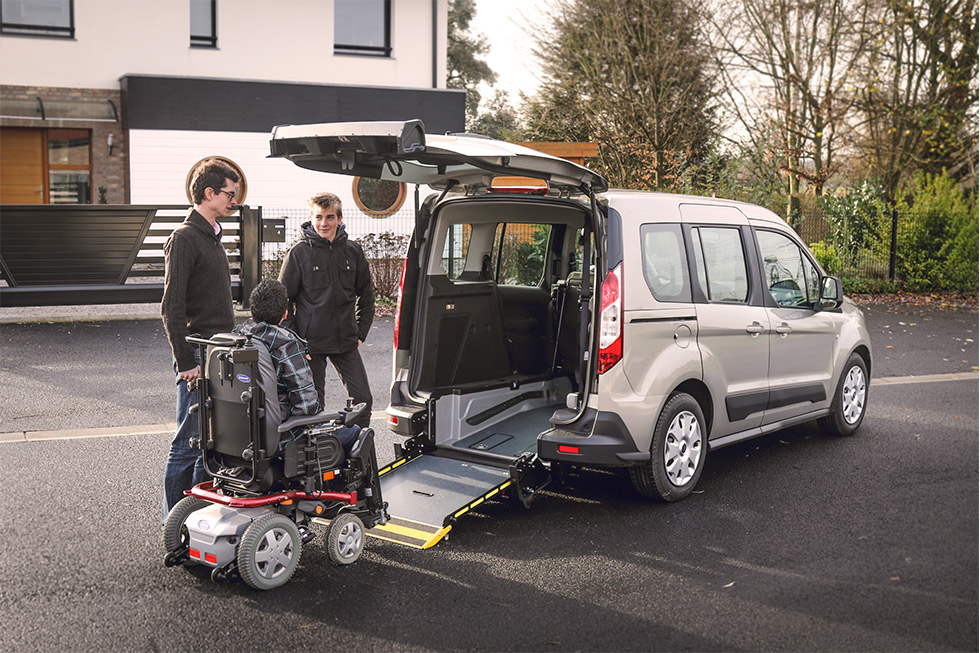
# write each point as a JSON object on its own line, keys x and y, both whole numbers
{"x": 426, "y": 495}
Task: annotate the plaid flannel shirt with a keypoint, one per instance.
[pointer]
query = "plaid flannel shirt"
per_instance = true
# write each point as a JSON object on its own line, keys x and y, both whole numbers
{"x": 294, "y": 380}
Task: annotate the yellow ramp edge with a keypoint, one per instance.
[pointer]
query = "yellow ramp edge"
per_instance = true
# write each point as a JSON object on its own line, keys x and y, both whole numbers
{"x": 409, "y": 533}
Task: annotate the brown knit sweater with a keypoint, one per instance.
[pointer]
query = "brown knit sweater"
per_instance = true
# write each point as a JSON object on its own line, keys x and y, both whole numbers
{"x": 196, "y": 288}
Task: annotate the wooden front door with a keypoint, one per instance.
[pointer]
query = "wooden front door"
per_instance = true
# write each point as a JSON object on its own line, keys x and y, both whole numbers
{"x": 22, "y": 164}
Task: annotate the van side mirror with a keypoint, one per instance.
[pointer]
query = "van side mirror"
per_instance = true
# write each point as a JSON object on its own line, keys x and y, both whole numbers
{"x": 831, "y": 293}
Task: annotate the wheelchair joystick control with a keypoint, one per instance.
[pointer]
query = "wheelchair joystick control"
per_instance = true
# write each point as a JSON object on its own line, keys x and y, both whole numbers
{"x": 349, "y": 405}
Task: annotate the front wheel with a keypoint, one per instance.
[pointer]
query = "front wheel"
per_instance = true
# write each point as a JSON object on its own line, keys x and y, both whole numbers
{"x": 676, "y": 453}
{"x": 850, "y": 400}
{"x": 269, "y": 552}
{"x": 345, "y": 539}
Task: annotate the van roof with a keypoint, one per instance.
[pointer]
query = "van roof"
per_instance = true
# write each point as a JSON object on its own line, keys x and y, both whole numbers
{"x": 669, "y": 201}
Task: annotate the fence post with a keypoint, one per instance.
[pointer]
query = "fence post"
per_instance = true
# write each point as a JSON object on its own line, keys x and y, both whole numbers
{"x": 894, "y": 245}
{"x": 251, "y": 244}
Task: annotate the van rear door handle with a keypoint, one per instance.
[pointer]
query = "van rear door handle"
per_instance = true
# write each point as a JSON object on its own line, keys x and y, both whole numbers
{"x": 755, "y": 328}
{"x": 783, "y": 329}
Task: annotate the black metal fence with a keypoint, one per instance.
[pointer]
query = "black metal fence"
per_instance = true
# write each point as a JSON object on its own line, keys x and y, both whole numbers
{"x": 385, "y": 242}
{"x": 113, "y": 254}
{"x": 54, "y": 255}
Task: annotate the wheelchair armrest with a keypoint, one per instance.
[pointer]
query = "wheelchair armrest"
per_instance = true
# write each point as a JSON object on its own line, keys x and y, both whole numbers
{"x": 306, "y": 420}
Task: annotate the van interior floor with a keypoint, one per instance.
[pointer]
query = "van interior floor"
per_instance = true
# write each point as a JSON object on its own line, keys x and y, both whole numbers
{"x": 513, "y": 436}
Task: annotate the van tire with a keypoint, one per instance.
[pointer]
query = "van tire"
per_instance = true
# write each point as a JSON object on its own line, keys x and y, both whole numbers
{"x": 680, "y": 442}
{"x": 850, "y": 402}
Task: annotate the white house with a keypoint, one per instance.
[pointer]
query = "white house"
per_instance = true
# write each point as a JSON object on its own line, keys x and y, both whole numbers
{"x": 115, "y": 100}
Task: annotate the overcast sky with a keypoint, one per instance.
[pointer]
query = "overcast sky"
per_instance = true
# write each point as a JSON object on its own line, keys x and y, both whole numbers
{"x": 510, "y": 49}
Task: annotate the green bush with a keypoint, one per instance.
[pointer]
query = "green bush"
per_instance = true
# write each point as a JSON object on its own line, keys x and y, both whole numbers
{"x": 854, "y": 285}
{"x": 859, "y": 225}
{"x": 937, "y": 236}
{"x": 827, "y": 257}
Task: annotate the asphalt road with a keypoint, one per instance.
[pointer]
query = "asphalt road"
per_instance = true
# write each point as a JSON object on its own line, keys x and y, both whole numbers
{"x": 794, "y": 541}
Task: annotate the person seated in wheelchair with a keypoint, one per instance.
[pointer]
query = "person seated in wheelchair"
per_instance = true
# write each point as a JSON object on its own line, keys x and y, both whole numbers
{"x": 268, "y": 303}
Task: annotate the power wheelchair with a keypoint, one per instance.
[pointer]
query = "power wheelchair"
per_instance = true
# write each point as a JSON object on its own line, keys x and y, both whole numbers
{"x": 268, "y": 479}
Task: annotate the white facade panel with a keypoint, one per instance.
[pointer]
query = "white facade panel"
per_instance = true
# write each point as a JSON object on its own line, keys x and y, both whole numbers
{"x": 160, "y": 161}
{"x": 281, "y": 40}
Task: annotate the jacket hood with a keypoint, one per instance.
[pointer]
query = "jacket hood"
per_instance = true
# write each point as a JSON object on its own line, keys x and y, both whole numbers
{"x": 313, "y": 238}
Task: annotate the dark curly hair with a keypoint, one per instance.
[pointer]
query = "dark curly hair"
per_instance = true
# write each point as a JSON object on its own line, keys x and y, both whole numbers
{"x": 268, "y": 301}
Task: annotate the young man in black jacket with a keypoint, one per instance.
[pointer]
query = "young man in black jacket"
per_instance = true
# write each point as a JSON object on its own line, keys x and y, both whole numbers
{"x": 196, "y": 299}
{"x": 331, "y": 297}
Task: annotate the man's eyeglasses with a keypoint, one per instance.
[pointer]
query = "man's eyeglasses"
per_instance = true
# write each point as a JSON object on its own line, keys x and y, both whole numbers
{"x": 230, "y": 195}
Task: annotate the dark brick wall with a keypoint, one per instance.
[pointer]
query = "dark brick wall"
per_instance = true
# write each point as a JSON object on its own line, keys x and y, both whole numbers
{"x": 108, "y": 170}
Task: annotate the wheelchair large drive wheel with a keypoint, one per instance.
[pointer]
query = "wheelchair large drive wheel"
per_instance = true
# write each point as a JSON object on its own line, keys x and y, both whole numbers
{"x": 269, "y": 552}
{"x": 345, "y": 539}
{"x": 174, "y": 532}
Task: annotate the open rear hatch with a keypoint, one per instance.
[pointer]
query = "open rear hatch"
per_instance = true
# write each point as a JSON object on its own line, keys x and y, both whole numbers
{"x": 430, "y": 485}
{"x": 402, "y": 151}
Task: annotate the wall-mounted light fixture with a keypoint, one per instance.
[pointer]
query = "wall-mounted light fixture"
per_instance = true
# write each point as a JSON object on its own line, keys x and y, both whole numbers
{"x": 108, "y": 142}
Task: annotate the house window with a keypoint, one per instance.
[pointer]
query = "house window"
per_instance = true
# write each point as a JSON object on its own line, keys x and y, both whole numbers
{"x": 69, "y": 166}
{"x": 204, "y": 30}
{"x": 378, "y": 198}
{"x": 38, "y": 17}
{"x": 362, "y": 27}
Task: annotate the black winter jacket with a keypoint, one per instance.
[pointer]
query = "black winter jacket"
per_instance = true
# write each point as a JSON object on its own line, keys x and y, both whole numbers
{"x": 196, "y": 288}
{"x": 331, "y": 293}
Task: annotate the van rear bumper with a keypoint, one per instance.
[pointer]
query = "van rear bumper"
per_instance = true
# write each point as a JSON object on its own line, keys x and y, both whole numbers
{"x": 598, "y": 438}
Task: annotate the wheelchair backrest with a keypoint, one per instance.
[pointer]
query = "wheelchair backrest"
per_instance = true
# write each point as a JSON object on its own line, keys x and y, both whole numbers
{"x": 244, "y": 401}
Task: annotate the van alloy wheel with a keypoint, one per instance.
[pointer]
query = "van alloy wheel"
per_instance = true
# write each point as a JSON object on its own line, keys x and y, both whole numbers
{"x": 677, "y": 451}
{"x": 682, "y": 450}
{"x": 850, "y": 403}
{"x": 854, "y": 391}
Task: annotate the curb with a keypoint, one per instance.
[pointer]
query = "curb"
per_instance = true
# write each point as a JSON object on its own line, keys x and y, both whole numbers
{"x": 91, "y": 317}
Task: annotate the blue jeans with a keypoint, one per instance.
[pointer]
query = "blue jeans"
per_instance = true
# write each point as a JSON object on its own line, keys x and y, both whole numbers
{"x": 185, "y": 467}
{"x": 347, "y": 436}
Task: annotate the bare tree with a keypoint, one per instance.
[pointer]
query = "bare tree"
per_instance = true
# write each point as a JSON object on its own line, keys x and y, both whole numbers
{"x": 919, "y": 98}
{"x": 790, "y": 69}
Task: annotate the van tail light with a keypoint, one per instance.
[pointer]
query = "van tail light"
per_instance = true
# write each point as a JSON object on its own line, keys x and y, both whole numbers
{"x": 611, "y": 320}
{"x": 398, "y": 304}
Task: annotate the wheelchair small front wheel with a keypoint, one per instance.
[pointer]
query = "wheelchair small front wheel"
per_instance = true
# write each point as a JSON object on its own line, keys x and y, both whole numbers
{"x": 269, "y": 552}
{"x": 345, "y": 539}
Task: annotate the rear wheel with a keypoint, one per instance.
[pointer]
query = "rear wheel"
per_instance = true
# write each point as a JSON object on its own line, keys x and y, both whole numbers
{"x": 676, "y": 453}
{"x": 345, "y": 539}
{"x": 175, "y": 533}
{"x": 269, "y": 552}
{"x": 850, "y": 400}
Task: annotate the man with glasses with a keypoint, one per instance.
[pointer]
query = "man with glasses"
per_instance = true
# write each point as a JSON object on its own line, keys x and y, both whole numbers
{"x": 196, "y": 299}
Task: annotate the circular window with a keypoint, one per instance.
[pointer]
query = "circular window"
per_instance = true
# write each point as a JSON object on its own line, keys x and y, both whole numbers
{"x": 242, "y": 184}
{"x": 379, "y": 198}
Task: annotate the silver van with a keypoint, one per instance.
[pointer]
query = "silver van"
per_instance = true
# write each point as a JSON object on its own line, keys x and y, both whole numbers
{"x": 549, "y": 322}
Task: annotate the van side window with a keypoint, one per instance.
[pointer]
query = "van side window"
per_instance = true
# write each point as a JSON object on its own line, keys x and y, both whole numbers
{"x": 519, "y": 249}
{"x": 454, "y": 251}
{"x": 790, "y": 276}
{"x": 720, "y": 262}
{"x": 664, "y": 262}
